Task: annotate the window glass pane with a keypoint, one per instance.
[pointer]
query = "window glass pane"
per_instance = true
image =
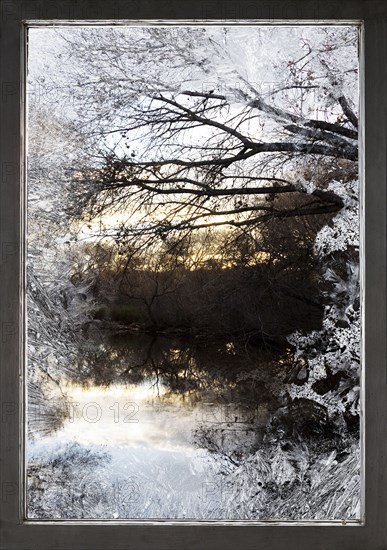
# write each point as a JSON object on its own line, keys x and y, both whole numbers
{"x": 193, "y": 273}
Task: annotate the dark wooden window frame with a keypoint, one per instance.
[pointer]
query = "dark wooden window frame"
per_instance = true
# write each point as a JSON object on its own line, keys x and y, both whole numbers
{"x": 19, "y": 533}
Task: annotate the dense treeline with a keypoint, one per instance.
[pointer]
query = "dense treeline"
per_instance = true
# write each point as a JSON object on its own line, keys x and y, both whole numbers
{"x": 264, "y": 284}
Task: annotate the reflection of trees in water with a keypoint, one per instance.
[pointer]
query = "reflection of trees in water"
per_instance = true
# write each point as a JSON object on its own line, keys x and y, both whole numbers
{"x": 220, "y": 371}
{"x": 270, "y": 450}
{"x": 241, "y": 390}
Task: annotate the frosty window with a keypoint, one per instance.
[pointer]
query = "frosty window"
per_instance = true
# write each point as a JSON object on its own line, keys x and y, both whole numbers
{"x": 193, "y": 273}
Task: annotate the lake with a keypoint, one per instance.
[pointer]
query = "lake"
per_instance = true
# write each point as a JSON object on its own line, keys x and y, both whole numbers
{"x": 153, "y": 426}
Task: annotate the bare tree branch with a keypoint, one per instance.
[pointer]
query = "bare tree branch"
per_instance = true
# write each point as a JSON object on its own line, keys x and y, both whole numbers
{"x": 348, "y": 111}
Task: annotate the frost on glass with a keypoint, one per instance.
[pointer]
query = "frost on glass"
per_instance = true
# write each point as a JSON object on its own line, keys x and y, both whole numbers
{"x": 193, "y": 273}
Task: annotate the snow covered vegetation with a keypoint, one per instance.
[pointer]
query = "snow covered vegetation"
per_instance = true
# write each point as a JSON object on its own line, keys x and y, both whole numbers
{"x": 194, "y": 305}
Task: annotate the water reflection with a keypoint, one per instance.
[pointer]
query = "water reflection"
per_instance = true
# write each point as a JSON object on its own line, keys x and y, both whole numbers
{"x": 171, "y": 394}
{"x": 128, "y": 416}
{"x": 183, "y": 366}
{"x": 160, "y": 427}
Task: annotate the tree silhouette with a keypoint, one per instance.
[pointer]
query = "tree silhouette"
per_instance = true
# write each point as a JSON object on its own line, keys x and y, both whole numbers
{"x": 190, "y": 154}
